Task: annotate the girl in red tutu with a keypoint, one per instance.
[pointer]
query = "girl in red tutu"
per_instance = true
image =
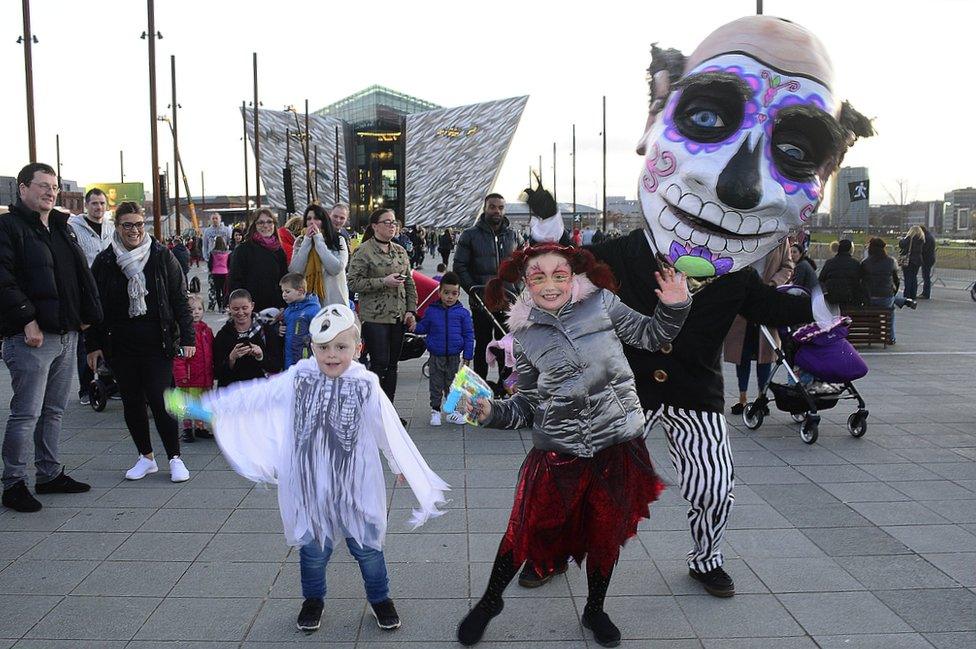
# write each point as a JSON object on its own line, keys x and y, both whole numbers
{"x": 588, "y": 480}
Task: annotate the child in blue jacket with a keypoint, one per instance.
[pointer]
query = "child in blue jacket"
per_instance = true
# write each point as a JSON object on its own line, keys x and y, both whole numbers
{"x": 301, "y": 308}
{"x": 450, "y": 332}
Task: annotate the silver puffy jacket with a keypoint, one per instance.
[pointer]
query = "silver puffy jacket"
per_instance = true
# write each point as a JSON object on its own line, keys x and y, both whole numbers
{"x": 575, "y": 388}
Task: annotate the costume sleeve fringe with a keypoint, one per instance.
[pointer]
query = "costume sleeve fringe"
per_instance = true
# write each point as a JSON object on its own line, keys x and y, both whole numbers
{"x": 548, "y": 230}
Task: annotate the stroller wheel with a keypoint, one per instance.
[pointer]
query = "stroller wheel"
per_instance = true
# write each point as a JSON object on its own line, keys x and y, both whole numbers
{"x": 798, "y": 417}
{"x": 857, "y": 423}
{"x": 810, "y": 429}
{"x": 753, "y": 416}
{"x": 425, "y": 370}
{"x": 97, "y": 395}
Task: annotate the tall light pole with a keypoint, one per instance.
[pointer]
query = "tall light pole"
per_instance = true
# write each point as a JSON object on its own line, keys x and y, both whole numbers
{"x": 57, "y": 149}
{"x": 28, "y": 39}
{"x": 574, "y": 169}
{"x": 257, "y": 139}
{"x": 247, "y": 177}
{"x": 121, "y": 167}
{"x": 604, "y": 163}
{"x": 151, "y": 34}
{"x": 554, "y": 173}
{"x": 176, "y": 146}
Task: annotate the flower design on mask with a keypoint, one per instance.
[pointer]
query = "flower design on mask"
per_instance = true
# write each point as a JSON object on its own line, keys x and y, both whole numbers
{"x": 698, "y": 261}
{"x": 750, "y": 113}
{"x": 652, "y": 168}
{"x": 775, "y": 83}
{"x": 791, "y": 187}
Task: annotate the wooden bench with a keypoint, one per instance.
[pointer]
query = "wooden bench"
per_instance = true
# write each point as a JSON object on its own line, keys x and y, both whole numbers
{"x": 870, "y": 325}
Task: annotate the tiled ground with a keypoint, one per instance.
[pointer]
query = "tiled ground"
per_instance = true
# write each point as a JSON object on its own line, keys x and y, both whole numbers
{"x": 847, "y": 543}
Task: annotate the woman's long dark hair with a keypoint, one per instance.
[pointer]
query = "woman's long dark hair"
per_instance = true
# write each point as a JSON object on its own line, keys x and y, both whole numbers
{"x": 374, "y": 218}
{"x": 803, "y": 255}
{"x": 252, "y": 222}
{"x": 876, "y": 248}
{"x": 328, "y": 230}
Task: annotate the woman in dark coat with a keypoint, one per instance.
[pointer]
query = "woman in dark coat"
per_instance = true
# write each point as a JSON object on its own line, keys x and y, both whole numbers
{"x": 146, "y": 323}
{"x": 879, "y": 276}
{"x": 445, "y": 244}
{"x": 805, "y": 269}
{"x": 259, "y": 263}
{"x": 911, "y": 249}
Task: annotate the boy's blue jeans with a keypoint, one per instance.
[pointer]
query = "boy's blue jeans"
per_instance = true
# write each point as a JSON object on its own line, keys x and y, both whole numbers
{"x": 312, "y": 562}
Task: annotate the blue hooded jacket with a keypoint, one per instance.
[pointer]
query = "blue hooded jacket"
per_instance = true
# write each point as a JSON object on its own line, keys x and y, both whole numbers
{"x": 297, "y": 317}
{"x": 449, "y": 330}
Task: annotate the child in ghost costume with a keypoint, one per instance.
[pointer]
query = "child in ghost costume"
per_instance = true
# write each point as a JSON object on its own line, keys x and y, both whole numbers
{"x": 316, "y": 430}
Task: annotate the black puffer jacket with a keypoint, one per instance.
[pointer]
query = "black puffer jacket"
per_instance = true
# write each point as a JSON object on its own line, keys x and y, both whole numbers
{"x": 175, "y": 322}
{"x": 480, "y": 250}
{"x": 44, "y": 275}
{"x": 257, "y": 269}
{"x": 840, "y": 278}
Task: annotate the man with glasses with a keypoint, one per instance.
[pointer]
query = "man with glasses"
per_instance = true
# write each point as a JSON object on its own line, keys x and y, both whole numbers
{"x": 47, "y": 295}
{"x": 93, "y": 238}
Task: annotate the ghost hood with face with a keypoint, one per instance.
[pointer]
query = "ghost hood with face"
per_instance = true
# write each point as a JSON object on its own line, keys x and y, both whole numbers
{"x": 741, "y": 138}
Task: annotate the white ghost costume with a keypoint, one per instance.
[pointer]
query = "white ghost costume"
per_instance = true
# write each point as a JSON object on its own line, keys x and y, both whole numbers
{"x": 318, "y": 439}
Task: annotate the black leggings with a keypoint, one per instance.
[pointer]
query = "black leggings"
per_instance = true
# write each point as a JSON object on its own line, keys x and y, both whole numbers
{"x": 383, "y": 343}
{"x": 143, "y": 380}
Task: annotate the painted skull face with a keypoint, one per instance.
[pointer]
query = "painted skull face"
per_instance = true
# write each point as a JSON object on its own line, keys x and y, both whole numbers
{"x": 735, "y": 160}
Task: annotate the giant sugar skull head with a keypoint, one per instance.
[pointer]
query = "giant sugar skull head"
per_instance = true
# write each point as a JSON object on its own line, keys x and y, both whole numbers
{"x": 740, "y": 140}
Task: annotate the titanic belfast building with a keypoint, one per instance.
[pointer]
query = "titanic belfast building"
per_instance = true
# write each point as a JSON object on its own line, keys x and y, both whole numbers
{"x": 379, "y": 147}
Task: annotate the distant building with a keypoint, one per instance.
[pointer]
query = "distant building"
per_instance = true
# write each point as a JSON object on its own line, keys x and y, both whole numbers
{"x": 8, "y": 190}
{"x": 623, "y": 214}
{"x": 958, "y": 210}
{"x": 845, "y": 213}
{"x": 927, "y": 213}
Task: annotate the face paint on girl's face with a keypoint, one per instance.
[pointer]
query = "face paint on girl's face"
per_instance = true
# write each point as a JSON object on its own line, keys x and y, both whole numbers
{"x": 550, "y": 281}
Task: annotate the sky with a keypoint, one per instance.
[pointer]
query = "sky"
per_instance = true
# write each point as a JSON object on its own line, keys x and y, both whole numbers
{"x": 906, "y": 64}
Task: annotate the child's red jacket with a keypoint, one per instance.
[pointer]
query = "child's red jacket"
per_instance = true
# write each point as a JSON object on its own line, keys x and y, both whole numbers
{"x": 196, "y": 372}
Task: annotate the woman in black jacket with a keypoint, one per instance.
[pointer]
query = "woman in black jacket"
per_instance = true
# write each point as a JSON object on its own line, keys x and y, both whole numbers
{"x": 910, "y": 249}
{"x": 146, "y": 323}
{"x": 259, "y": 262}
{"x": 804, "y": 268}
{"x": 879, "y": 275}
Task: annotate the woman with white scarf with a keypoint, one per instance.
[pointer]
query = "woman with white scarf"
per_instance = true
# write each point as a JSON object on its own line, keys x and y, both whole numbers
{"x": 147, "y": 322}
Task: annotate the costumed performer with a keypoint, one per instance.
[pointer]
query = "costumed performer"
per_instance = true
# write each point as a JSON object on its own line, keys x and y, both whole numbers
{"x": 740, "y": 139}
{"x": 316, "y": 430}
{"x": 588, "y": 479}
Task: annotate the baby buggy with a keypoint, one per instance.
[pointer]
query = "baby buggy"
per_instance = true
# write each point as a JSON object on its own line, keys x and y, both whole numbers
{"x": 102, "y": 388}
{"x": 824, "y": 355}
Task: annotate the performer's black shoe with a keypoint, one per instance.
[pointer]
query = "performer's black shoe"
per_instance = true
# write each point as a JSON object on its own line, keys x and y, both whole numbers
{"x": 529, "y": 579}
{"x": 473, "y": 625}
{"x": 187, "y": 437}
{"x": 737, "y": 409}
{"x": 716, "y": 581}
{"x": 605, "y": 632}
{"x": 310, "y": 617}
{"x": 202, "y": 433}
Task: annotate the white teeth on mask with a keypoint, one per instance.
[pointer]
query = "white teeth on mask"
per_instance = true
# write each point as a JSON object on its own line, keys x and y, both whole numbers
{"x": 732, "y": 221}
{"x": 668, "y": 220}
{"x": 750, "y": 225}
{"x": 673, "y": 194}
{"x": 700, "y": 238}
{"x": 712, "y": 213}
{"x": 733, "y": 245}
{"x": 683, "y": 231}
{"x": 750, "y": 245}
{"x": 691, "y": 204}
{"x": 769, "y": 226}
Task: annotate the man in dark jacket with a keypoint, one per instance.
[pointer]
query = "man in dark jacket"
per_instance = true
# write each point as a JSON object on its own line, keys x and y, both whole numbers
{"x": 840, "y": 277}
{"x": 47, "y": 295}
{"x": 480, "y": 250}
{"x": 928, "y": 261}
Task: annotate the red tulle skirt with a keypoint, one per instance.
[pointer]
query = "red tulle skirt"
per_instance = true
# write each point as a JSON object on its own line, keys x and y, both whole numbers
{"x": 577, "y": 507}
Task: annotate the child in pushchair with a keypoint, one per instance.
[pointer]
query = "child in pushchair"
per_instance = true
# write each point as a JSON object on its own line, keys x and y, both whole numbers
{"x": 822, "y": 366}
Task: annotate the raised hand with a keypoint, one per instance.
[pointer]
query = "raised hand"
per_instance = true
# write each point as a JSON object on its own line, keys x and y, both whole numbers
{"x": 673, "y": 289}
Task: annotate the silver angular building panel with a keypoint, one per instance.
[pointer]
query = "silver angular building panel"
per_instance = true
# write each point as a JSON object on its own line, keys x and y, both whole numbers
{"x": 453, "y": 156}
{"x": 273, "y": 125}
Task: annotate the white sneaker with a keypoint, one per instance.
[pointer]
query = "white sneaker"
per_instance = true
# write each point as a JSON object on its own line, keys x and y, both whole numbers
{"x": 456, "y": 418}
{"x": 178, "y": 471}
{"x": 435, "y": 418}
{"x": 143, "y": 467}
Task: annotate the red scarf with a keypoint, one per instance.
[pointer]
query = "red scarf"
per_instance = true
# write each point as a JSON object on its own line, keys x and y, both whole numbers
{"x": 271, "y": 243}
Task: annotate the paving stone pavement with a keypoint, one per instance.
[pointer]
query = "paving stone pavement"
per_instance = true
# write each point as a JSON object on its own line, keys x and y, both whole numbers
{"x": 849, "y": 542}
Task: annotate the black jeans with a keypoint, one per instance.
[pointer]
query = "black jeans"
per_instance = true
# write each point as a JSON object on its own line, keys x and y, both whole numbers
{"x": 484, "y": 332}
{"x": 85, "y": 375}
{"x": 143, "y": 380}
{"x": 926, "y": 281}
{"x": 383, "y": 342}
{"x": 445, "y": 256}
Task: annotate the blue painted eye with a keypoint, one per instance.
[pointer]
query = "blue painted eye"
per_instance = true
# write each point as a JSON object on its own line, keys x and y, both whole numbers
{"x": 792, "y": 151}
{"x": 706, "y": 119}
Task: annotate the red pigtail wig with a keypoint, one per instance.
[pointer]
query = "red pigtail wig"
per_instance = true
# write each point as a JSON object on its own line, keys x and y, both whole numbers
{"x": 512, "y": 271}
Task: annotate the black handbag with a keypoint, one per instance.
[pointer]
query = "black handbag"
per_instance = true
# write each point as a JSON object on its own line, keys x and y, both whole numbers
{"x": 413, "y": 347}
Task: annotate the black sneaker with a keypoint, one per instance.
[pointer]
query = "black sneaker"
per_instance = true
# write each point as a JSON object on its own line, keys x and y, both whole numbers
{"x": 605, "y": 632}
{"x": 62, "y": 485}
{"x": 18, "y": 498}
{"x": 529, "y": 579}
{"x": 203, "y": 433}
{"x": 187, "y": 436}
{"x": 737, "y": 409}
{"x": 473, "y": 626}
{"x": 911, "y": 304}
{"x": 310, "y": 617}
{"x": 716, "y": 581}
{"x": 386, "y": 615}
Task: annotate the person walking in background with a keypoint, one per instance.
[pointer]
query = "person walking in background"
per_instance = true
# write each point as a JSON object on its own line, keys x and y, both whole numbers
{"x": 47, "y": 295}
{"x": 194, "y": 375}
{"x": 210, "y": 234}
{"x": 840, "y": 277}
{"x": 910, "y": 259}
{"x": 928, "y": 262}
{"x": 147, "y": 324}
{"x": 325, "y": 268}
{"x": 339, "y": 215}
{"x": 445, "y": 244}
{"x": 259, "y": 262}
{"x": 743, "y": 343}
{"x": 879, "y": 275}
{"x": 804, "y": 268}
{"x": 93, "y": 233}
{"x": 182, "y": 254}
{"x": 297, "y": 318}
{"x": 219, "y": 268}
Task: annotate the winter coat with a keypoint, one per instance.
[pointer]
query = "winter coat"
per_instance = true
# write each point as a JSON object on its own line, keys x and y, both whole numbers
{"x": 287, "y": 240}
{"x": 880, "y": 276}
{"x": 912, "y": 246}
{"x": 297, "y": 318}
{"x": 334, "y": 264}
{"x": 377, "y": 301}
{"x": 804, "y": 274}
{"x": 575, "y": 388}
{"x": 246, "y": 367}
{"x": 840, "y": 278}
{"x": 777, "y": 270}
{"x": 183, "y": 256}
{"x": 169, "y": 286}
{"x": 91, "y": 242}
{"x": 44, "y": 275}
{"x": 196, "y": 372}
{"x": 257, "y": 269}
{"x": 480, "y": 250}
{"x": 219, "y": 262}
{"x": 928, "y": 249}
{"x": 449, "y": 331}
{"x": 210, "y": 234}
{"x": 445, "y": 243}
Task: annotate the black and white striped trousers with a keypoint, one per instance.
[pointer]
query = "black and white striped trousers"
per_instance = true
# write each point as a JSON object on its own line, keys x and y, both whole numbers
{"x": 698, "y": 443}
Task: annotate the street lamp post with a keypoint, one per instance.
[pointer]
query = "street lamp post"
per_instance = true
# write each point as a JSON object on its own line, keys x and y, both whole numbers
{"x": 247, "y": 177}
{"x": 29, "y": 74}
{"x": 57, "y": 149}
{"x": 151, "y": 35}
{"x": 176, "y": 148}
{"x": 257, "y": 138}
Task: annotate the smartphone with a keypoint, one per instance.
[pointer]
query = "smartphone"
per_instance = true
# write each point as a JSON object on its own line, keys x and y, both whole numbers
{"x": 401, "y": 277}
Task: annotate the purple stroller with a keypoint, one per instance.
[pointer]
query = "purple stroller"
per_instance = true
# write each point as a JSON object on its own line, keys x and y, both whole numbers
{"x": 823, "y": 354}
